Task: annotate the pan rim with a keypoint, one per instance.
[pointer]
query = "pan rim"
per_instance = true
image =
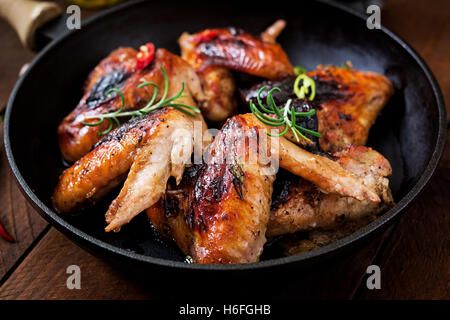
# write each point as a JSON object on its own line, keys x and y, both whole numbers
{"x": 333, "y": 248}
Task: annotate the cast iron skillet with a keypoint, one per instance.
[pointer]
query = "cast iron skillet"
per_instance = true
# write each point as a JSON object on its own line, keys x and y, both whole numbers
{"x": 410, "y": 132}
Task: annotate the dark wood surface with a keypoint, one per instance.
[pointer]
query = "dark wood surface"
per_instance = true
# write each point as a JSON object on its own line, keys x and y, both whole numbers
{"x": 413, "y": 254}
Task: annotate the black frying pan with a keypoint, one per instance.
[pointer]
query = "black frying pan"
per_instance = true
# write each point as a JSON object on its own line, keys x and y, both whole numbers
{"x": 410, "y": 132}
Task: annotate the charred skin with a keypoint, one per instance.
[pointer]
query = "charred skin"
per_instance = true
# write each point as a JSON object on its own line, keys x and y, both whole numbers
{"x": 118, "y": 70}
{"x": 159, "y": 158}
{"x": 109, "y": 163}
{"x": 237, "y": 50}
{"x": 298, "y": 205}
{"x": 300, "y": 105}
{"x": 215, "y": 217}
{"x": 347, "y": 102}
{"x": 320, "y": 170}
{"x": 231, "y": 201}
{"x": 219, "y": 213}
{"x": 106, "y": 166}
{"x": 214, "y": 52}
{"x": 350, "y": 103}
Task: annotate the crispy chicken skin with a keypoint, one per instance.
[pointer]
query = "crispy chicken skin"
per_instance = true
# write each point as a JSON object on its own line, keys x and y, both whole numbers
{"x": 132, "y": 146}
{"x": 213, "y": 52}
{"x": 107, "y": 165}
{"x": 328, "y": 175}
{"x": 218, "y": 214}
{"x": 220, "y": 211}
{"x": 162, "y": 156}
{"x": 118, "y": 70}
{"x": 350, "y": 102}
{"x": 298, "y": 205}
{"x": 155, "y": 146}
{"x": 213, "y": 86}
{"x": 237, "y": 50}
{"x": 218, "y": 87}
{"x": 347, "y": 101}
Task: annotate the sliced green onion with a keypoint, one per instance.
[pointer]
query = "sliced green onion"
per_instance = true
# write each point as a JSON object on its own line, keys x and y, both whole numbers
{"x": 308, "y": 87}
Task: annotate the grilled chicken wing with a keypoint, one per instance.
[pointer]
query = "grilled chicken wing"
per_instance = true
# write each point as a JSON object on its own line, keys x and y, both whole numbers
{"x": 118, "y": 70}
{"x": 220, "y": 211}
{"x": 154, "y": 146}
{"x": 350, "y": 104}
{"x": 237, "y": 50}
{"x": 298, "y": 205}
{"x": 347, "y": 102}
{"x": 218, "y": 88}
{"x": 328, "y": 175}
{"x": 218, "y": 214}
{"x": 213, "y": 52}
{"x": 106, "y": 166}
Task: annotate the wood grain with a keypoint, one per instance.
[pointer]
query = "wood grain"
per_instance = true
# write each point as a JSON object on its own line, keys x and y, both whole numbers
{"x": 414, "y": 259}
{"x": 425, "y": 25}
{"x": 42, "y": 275}
{"x": 416, "y": 262}
{"x": 18, "y": 217}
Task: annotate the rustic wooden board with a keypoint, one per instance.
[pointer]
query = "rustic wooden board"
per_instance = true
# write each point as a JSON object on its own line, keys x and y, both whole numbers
{"x": 17, "y": 215}
{"x": 22, "y": 222}
{"x": 425, "y": 25}
{"x": 414, "y": 261}
{"x": 42, "y": 275}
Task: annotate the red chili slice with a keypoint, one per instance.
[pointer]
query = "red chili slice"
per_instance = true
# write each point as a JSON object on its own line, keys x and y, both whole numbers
{"x": 145, "y": 56}
{"x": 206, "y": 35}
{"x": 4, "y": 234}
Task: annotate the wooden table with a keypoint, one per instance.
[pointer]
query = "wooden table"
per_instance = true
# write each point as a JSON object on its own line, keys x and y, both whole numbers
{"x": 413, "y": 254}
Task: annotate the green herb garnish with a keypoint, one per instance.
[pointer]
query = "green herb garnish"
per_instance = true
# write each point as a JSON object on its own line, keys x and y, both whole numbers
{"x": 308, "y": 87}
{"x": 347, "y": 65}
{"x": 285, "y": 116}
{"x": 298, "y": 70}
{"x": 112, "y": 117}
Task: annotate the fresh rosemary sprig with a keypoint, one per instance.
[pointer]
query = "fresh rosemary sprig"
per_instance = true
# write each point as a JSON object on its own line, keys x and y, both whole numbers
{"x": 112, "y": 117}
{"x": 285, "y": 116}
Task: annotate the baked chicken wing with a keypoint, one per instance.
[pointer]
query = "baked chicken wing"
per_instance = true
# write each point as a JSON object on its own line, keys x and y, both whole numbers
{"x": 146, "y": 150}
{"x": 347, "y": 101}
{"x": 108, "y": 164}
{"x": 118, "y": 70}
{"x": 214, "y": 52}
{"x": 299, "y": 205}
{"x": 219, "y": 212}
